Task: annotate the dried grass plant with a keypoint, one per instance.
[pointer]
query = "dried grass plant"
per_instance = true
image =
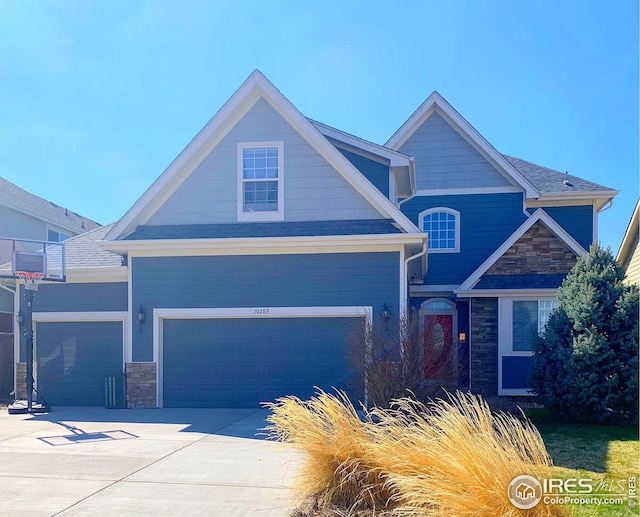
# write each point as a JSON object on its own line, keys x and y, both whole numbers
{"x": 448, "y": 457}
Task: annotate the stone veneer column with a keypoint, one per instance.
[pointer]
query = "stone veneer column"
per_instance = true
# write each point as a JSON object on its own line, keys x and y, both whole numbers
{"x": 21, "y": 381}
{"x": 141, "y": 385}
{"x": 484, "y": 346}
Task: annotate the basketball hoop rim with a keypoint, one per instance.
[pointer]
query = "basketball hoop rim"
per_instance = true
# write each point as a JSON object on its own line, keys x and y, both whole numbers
{"x": 31, "y": 279}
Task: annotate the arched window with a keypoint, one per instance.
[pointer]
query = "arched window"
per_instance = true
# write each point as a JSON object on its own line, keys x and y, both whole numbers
{"x": 443, "y": 226}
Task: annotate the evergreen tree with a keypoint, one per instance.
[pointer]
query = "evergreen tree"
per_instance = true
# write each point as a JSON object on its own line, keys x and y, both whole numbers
{"x": 586, "y": 363}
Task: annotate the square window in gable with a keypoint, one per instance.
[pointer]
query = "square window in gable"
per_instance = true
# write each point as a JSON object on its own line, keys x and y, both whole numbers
{"x": 261, "y": 181}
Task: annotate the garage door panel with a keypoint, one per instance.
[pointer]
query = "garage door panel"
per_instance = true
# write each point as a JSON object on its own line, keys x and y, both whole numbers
{"x": 251, "y": 360}
{"x": 73, "y": 358}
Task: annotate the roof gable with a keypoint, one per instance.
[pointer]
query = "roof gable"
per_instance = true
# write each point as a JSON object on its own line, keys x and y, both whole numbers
{"x": 436, "y": 103}
{"x": 312, "y": 189}
{"x": 253, "y": 89}
{"x": 445, "y": 160}
{"x": 539, "y": 216}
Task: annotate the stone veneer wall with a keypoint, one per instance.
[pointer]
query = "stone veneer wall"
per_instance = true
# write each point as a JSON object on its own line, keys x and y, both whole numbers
{"x": 537, "y": 251}
{"x": 21, "y": 381}
{"x": 484, "y": 346}
{"x": 141, "y": 385}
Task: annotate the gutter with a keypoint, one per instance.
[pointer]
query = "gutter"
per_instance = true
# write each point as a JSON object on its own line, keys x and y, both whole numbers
{"x": 412, "y": 181}
{"x": 417, "y": 255}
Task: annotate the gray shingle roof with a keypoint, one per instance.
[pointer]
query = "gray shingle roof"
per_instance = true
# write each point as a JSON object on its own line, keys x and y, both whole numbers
{"x": 528, "y": 281}
{"x": 83, "y": 251}
{"x": 23, "y": 201}
{"x": 279, "y": 229}
{"x": 551, "y": 181}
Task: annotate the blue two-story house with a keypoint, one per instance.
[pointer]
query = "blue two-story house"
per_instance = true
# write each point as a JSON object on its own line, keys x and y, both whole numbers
{"x": 239, "y": 274}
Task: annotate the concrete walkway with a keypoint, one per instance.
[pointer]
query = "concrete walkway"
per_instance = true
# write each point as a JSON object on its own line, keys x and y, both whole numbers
{"x": 164, "y": 462}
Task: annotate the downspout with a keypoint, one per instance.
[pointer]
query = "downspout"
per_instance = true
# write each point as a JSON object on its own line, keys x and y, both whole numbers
{"x": 412, "y": 180}
{"x": 606, "y": 206}
{"x": 413, "y": 257}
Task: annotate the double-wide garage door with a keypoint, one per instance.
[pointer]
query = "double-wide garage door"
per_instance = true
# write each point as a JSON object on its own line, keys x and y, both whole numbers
{"x": 73, "y": 358}
{"x": 241, "y": 362}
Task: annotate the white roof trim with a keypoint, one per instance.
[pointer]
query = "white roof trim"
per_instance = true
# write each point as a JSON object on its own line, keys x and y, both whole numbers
{"x": 245, "y": 242}
{"x": 255, "y": 87}
{"x": 582, "y": 194}
{"x": 538, "y": 215}
{"x": 507, "y": 293}
{"x": 48, "y": 220}
{"x": 436, "y": 101}
{"x": 396, "y": 158}
{"x": 631, "y": 231}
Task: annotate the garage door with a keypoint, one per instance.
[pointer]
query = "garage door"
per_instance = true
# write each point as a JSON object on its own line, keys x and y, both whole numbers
{"x": 73, "y": 358}
{"x": 242, "y": 362}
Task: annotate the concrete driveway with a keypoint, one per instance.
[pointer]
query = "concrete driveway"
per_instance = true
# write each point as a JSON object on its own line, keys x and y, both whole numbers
{"x": 100, "y": 462}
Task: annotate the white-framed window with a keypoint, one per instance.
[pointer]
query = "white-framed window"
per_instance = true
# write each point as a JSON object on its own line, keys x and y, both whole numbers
{"x": 261, "y": 181}
{"x": 443, "y": 226}
{"x": 55, "y": 235}
{"x": 522, "y": 321}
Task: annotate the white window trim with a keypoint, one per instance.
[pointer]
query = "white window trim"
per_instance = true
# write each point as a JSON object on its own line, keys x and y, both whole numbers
{"x": 505, "y": 337}
{"x": 260, "y": 216}
{"x": 58, "y": 230}
{"x": 446, "y": 210}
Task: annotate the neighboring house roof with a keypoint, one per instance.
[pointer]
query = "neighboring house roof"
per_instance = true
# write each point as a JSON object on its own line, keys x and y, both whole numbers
{"x": 255, "y": 87}
{"x": 84, "y": 256}
{"x": 630, "y": 236}
{"x": 19, "y": 199}
{"x": 435, "y": 102}
{"x": 278, "y": 229}
{"x": 551, "y": 181}
{"x": 83, "y": 251}
{"x": 539, "y": 215}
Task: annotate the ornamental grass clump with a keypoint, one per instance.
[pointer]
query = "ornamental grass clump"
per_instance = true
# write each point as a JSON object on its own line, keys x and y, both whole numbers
{"x": 327, "y": 429}
{"x": 448, "y": 457}
{"x": 455, "y": 457}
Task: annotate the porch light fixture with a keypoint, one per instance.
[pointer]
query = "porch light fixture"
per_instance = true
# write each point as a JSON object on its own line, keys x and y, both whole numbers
{"x": 141, "y": 316}
{"x": 386, "y": 313}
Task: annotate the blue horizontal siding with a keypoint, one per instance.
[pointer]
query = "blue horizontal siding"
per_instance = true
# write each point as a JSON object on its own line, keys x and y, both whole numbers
{"x": 376, "y": 172}
{"x": 576, "y": 220}
{"x": 486, "y": 221}
{"x": 91, "y": 297}
{"x": 516, "y": 372}
{"x": 336, "y": 279}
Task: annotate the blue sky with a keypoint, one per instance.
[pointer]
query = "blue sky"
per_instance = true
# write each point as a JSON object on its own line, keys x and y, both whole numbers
{"x": 97, "y": 98}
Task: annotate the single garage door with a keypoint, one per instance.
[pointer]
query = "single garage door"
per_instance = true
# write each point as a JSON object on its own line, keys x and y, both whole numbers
{"x": 242, "y": 362}
{"x": 73, "y": 358}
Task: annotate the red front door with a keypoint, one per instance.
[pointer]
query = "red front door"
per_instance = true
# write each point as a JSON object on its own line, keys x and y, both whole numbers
{"x": 438, "y": 348}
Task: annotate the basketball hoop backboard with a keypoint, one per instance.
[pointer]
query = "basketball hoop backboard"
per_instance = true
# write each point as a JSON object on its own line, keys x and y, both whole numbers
{"x": 32, "y": 256}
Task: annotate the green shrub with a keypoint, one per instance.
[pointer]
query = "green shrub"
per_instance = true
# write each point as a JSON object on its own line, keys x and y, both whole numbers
{"x": 586, "y": 363}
